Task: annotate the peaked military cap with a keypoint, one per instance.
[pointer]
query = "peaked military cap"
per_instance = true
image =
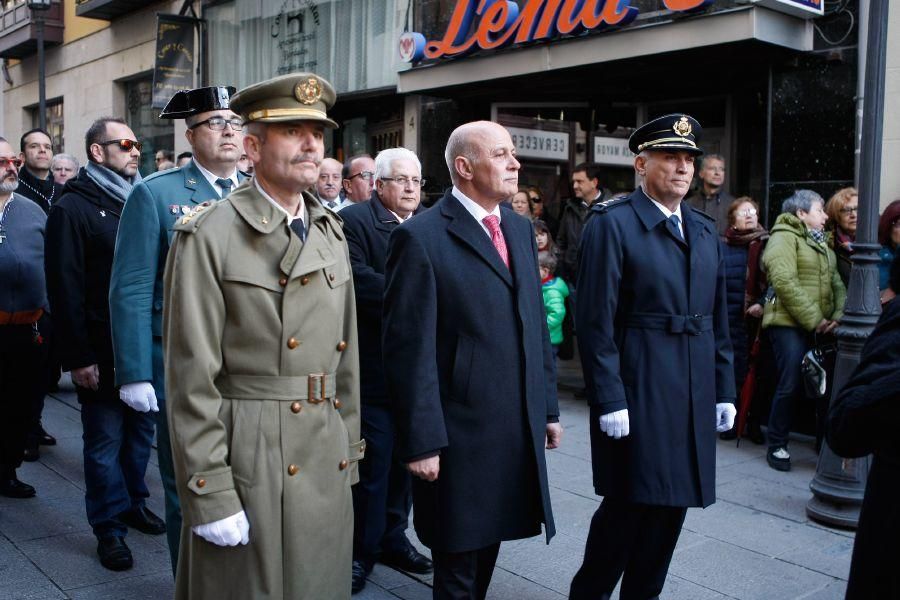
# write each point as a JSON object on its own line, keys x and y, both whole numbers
{"x": 670, "y": 132}
{"x": 292, "y": 97}
{"x": 193, "y": 102}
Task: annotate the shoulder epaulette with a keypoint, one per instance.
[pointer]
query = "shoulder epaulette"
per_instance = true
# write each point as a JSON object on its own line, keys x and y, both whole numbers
{"x": 606, "y": 205}
{"x": 191, "y": 221}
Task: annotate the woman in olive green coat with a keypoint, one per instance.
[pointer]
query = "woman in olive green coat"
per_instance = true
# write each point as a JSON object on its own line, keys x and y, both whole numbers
{"x": 263, "y": 391}
{"x": 809, "y": 297}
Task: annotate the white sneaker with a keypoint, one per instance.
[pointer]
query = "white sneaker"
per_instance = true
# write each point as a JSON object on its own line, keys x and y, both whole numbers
{"x": 782, "y": 454}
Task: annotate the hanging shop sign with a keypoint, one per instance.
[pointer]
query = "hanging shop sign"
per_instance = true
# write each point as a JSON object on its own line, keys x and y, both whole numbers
{"x": 537, "y": 143}
{"x": 504, "y": 22}
{"x": 799, "y": 8}
{"x": 612, "y": 151}
{"x": 173, "y": 68}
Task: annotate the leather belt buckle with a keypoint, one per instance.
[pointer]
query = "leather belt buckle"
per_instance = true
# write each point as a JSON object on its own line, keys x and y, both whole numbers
{"x": 313, "y": 380}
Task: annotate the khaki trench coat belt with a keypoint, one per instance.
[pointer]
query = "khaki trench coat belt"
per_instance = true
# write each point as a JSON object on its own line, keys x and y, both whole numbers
{"x": 687, "y": 324}
{"x": 315, "y": 387}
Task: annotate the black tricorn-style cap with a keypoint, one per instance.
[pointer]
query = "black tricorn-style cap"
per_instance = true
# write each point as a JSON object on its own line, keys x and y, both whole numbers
{"x": 670, "y": 132}
{"x": 186, "y": 103}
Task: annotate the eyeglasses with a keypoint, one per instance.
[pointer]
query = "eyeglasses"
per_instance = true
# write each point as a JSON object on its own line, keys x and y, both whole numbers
{"x": 534, "y": 199}
{"x": 5, "y": 163}
{"x": 218, "y": 123}
{"x": 365, "y": 175}
{"x": 847, "y": 210}
{"x": 747, "y": 212}
{"x": 124, "y": 145}
{"x": 405, "y": 181}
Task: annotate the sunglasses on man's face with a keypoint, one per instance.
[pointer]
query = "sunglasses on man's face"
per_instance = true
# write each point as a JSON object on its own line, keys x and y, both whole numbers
{"x": 124, "y": 145}
{"x": 16, "y": 163}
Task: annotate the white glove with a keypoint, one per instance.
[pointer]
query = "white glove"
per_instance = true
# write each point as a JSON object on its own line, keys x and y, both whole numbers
{"x": 615, "y": 424}
{"x": 725, "y": 413}
{"x": 229, "y": 531}
{"x": 140, "y": 396}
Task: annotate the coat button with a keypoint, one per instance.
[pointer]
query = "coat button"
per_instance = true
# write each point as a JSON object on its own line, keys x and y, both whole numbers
{"x": 337, "y": 404}
{"x": 304, "y": 280}
{"x": 292, "y": 470}
{"x": 296, "y": 407}
{"x": 293, "y": 343}
{"x": 282, "y": 282}
{"x": 201, "y": 483}
{"x": 343, "y": 464}
{"x": 342, "y": 345}
{"x": 331, "y": 276}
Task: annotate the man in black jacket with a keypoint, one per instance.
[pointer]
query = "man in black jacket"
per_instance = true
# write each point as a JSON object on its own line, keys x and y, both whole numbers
{"x": 587, "y": 188}
{"x": 381, "y": 499}
{"x": 81, "y": 235}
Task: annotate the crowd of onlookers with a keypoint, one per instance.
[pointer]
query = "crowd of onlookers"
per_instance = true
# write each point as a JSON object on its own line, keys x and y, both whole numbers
{"x": 786, "y": 286}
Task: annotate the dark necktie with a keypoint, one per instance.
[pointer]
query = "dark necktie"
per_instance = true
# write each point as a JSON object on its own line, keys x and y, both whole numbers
{"x": 675, "y": 221}
{"x": 225, "y": 184}
{"x": 298, "y": 228}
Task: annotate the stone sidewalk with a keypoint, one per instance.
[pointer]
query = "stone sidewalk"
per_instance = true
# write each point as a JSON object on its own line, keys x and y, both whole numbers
{"x": 754, "y": 543}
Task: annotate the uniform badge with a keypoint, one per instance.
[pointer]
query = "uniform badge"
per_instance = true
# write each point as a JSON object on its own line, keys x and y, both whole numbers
{"x": 102, "y": 213}
{"x": 173, "y": 209}
{"x": 185, "y": 210}
{"x": 682, "y": 127}
{"x": 192, "y": 182}
{"x": 308, "y": 91}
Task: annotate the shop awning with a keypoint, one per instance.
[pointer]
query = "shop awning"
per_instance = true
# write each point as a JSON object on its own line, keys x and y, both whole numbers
{"x": 749, "y": 23}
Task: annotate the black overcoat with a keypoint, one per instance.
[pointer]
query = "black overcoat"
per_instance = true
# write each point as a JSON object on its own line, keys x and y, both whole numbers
{"x": 368, "y": 226}
{"x": 81, "y": 239}
{"x": 470, "y": 374}
{"x": 863, "y": 420}
{"x": 652, "y": 325}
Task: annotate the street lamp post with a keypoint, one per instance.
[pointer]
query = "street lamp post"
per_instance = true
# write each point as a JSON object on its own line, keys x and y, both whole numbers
{"x": 839, "y": 484}
{"x": 38, "y": 8}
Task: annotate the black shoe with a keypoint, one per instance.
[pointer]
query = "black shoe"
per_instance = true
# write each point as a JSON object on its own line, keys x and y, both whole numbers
{"x": 44, "y": 438}
{"x": 407, "y": 559}
{"x": 11, "y": 487}
{"x": 114, "y": 554}
{"x": 731, "y": 434}
{"x": 32, "y": 452}
{"x": 755, "y": 434}
{"x": 360, "y": 571}
{"x": 779, "y": 459}
{"x": 143, "y": 520}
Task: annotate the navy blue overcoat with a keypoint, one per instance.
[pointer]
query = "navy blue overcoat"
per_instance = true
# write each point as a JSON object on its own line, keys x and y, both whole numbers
{"x": 470, "y": 375}
{"x": 652, "y": 325}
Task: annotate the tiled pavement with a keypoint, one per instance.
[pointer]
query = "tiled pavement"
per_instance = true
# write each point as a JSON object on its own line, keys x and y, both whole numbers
{"x": 754, "y": 543}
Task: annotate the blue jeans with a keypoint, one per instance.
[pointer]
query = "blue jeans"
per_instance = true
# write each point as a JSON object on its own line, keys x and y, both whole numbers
{"x": 116, "y": 451}
{"x": 789, "y": 344}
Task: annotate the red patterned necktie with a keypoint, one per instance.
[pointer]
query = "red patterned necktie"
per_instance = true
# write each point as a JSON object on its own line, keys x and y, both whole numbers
{"x": 492, "y": 222}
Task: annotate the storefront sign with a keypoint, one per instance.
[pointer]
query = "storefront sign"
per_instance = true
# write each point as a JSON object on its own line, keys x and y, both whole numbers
{"x": 798, "y": 8}
{"x": 503, "y": 22}
{"x": 294, "y": 32}
{"x": 612, "y": 151}
{"x": 537, "y": 143}
{"x": 174, "y": 66}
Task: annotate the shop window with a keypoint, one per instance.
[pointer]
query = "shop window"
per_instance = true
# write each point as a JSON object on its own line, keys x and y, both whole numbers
{"x": 54, "y": 116}
{"x": 154, "y": 133}
{"x": 352, "y": 43}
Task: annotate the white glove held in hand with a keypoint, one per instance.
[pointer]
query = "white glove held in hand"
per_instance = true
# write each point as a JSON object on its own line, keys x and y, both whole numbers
{"x": 725, "y": 413}
{"x": 615, "y": 424}
{"x": 140, "y": 396}
{"x": 229, "y": 531}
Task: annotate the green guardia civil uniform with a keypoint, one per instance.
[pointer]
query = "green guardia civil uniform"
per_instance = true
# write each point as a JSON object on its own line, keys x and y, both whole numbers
{"x": 262, "y": 384}
{"x": 136, "y": 285}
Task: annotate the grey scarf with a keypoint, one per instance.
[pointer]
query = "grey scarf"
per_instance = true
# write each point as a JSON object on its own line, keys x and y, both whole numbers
{"x": 111, "y": 182}
{"x": 818, "y": 235}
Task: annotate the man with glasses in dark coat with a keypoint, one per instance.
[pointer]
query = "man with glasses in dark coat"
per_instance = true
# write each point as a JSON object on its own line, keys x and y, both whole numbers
{"x": 81, "y": 236}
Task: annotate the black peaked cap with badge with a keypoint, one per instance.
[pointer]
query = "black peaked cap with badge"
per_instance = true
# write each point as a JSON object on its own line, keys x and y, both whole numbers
{"x": 669, "y": 132}
{"x": 292, "y": 97}
{"x": 186, "y": 103}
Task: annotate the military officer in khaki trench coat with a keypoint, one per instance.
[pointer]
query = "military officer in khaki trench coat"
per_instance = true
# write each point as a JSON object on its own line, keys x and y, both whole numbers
{"x": 262, "y": 368}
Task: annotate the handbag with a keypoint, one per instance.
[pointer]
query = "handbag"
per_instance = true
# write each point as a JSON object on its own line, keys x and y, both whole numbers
{"x": 814, "y": 368}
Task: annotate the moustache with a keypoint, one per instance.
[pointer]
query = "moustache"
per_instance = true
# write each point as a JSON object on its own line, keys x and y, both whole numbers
{"x": 305, "y": 158}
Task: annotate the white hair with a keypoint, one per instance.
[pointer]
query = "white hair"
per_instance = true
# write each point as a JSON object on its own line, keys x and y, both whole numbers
{"x": 384, "y": 161}
{"x": 67, "y": 157}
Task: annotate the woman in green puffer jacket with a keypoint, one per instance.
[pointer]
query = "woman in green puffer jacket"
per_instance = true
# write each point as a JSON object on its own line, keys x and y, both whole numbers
{"x": 809, "y": 297}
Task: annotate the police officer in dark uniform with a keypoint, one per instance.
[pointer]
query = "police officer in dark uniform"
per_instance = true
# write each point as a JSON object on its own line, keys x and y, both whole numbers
{"x": 657, "y": 360}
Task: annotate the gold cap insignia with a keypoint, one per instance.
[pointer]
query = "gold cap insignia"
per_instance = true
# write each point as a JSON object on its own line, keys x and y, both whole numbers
{"x": 308, "y": 91}
{"x": 682, "y": 127}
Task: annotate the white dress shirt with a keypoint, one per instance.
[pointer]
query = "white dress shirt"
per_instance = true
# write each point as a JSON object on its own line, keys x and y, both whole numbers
{"x": 478, "y": 213}
{"x": 668, "y": 213}
{"x": 211, "y": 178}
